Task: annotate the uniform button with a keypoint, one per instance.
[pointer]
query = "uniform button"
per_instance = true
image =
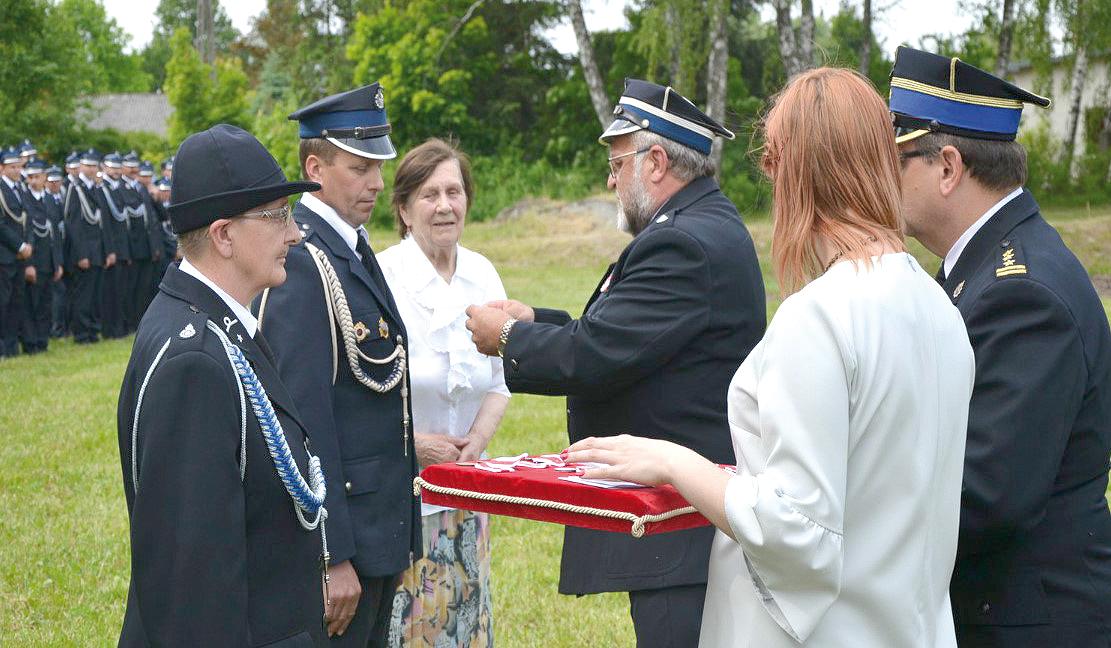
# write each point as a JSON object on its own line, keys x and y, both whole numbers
{"x": 1004, "y": 243}
{"x": 985, "y": 608}
{"x": 513, "y": 362}
{"x": 347, "y": 487}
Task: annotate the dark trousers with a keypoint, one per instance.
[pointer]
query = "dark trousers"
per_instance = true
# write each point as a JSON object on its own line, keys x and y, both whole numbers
{"x": 84, "y": 291}
{"x": 59, "y": 307}
{"x": 11, "y": 307}
{"x": 371, "y": 626}
{"x": 113, "y": 287}
{"x": 139, "y": 294}
{"x": 670, "y": 617}
{"x": 35, "y": 332}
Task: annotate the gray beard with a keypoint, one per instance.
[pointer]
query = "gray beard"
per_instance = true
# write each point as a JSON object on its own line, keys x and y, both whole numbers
{"x": 634, "y": 217}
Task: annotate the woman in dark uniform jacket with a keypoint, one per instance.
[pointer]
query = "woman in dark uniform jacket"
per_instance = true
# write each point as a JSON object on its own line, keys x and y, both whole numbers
{"x": 225, "y": 545}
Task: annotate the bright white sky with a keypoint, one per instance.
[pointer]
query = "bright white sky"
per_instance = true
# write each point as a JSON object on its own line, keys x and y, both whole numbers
{"x": 904, "y": 22}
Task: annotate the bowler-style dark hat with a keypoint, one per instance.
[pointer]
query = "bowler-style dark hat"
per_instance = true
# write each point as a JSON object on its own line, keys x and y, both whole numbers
{"x": 660, "y": 109}
{"x": 223, "y": 172}
{"x": 355, "y": 121}
{"x": 931, "y": 93}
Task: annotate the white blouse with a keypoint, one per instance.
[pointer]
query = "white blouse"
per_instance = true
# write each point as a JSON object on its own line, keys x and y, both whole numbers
{"x": 849, "y": 422}
{"x": 448, "y": 377}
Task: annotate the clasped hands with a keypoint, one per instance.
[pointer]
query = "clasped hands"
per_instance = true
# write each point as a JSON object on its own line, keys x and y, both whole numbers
{"x": 485, "y": 322}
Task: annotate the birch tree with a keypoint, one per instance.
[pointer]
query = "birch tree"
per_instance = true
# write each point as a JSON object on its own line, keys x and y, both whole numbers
{"x": 796, "y": 47}
{"x": 866, "y": 44}
{"x": 717, "y": 69}
{"x": 589, "y": 64}
{"x": 1006, "y": 33}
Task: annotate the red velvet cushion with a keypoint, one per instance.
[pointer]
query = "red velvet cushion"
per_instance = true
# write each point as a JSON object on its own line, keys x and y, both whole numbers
{"x": 620, "y": 510}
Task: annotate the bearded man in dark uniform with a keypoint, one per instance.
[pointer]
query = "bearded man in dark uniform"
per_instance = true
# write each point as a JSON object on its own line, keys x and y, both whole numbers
{"x": 655, "y": 348}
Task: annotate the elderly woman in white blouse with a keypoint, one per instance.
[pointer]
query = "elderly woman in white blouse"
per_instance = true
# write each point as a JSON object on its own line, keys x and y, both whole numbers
{"x": 458, "y": 394}
{"x": 839, "y": 527}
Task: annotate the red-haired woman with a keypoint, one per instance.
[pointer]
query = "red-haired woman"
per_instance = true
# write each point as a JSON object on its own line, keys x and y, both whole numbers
{"x": 848, "y": 419}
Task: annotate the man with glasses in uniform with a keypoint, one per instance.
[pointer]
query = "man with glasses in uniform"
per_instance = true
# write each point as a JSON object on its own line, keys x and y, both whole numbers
{"x": 655, "y": 349}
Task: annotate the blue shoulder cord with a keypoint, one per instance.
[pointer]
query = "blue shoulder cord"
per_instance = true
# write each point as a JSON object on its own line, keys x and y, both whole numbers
{"x": 307, "y": 497}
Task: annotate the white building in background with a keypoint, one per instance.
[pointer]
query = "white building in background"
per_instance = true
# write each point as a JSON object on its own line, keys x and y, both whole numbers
{"x": 1097, "y": 91}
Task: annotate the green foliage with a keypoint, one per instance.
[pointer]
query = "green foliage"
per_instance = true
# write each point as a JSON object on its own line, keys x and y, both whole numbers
{"x": 203, "y": 95}
{"x": 279, "y": 135}
{"x": 38, "y": 81}
{"x": 1048, "y": 174}
{"x": 439, "y": 70}
{"x": 177, "y": 14}
{"x": 107, "y": 68}
{"x": 845, "y": 38}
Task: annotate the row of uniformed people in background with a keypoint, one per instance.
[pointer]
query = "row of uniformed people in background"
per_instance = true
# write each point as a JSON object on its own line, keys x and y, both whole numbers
{"x": 81, "y": 250}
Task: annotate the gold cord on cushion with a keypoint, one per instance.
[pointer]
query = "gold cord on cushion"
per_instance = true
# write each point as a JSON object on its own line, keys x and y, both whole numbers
{"x": 638, "y": 521}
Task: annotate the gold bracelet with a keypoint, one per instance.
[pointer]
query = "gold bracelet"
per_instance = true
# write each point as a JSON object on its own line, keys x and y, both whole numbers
{"x": 503, "y": 339}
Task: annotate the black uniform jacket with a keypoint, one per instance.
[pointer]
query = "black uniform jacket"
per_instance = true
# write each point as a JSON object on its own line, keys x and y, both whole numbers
{"x": 652, "y": 356}
{"x": 86, "y": 240}
{"x": 43, "y": 235}
{"x": 215, "y": 560}
{"x": 118, "y": 229}
{"x": 1034, "y": 554}
{"x": 12, "y": 235}
{"x": 374, "y": 516}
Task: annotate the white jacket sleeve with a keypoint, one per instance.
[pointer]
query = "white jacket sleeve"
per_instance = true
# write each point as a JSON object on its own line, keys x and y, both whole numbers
{"x": 787, "y": 515}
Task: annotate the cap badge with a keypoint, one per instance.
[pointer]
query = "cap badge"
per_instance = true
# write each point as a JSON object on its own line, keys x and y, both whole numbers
{"x": 383, "y": 328}
{"x": 379, "y": 100}
{"x": 360, "y": 331}
{"x": 187, "y": 332}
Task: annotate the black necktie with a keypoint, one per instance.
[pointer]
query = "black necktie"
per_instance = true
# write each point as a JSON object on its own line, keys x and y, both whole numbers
{"x": 363, "y": 248}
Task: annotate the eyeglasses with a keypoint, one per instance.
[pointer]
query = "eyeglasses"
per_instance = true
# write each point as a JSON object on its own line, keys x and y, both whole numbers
{"x": 614, "y": 170}
{"x": 282, "y": 215}
{"x": 908, "y": 155}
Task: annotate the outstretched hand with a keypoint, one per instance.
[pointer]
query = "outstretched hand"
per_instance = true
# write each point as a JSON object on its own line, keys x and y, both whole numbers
{"x": 630, "y": 458}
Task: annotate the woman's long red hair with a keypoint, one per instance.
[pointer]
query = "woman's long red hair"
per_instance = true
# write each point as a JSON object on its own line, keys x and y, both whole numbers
{"x": 830, "y": 154}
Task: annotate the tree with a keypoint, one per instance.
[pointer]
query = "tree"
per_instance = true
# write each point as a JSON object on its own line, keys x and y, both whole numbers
{"x": 796, "y": 46}
{"x": 1006, "y": 32}
{"x": 173, "y": 15}
{"x": 865, "y": 64}
{"x": 203, "y": 96}
{"x": 105, "y": 67}
{"x": 38, "y": 87}
{"x": 589, "y": 66}
{"x": 717, "y": 71}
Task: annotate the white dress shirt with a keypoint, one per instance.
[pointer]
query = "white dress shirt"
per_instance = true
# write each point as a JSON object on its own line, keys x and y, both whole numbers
{"x": 249, "y": 322}
{"x": 448, "y": 377}
{"x": 848, "y": 421}
{"x": 349, "y": 234}
{"x": 954, "y": 253}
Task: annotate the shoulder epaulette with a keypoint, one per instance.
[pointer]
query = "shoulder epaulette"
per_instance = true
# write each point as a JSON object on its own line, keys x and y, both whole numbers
{"x": 1011, "y": 260}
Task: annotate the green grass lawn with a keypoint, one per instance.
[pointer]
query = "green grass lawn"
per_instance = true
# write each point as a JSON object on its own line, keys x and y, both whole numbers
{"x": 63, "y": 543}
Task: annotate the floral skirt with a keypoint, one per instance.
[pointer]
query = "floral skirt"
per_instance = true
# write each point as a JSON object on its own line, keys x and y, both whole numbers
{"x": 443, "y": 600}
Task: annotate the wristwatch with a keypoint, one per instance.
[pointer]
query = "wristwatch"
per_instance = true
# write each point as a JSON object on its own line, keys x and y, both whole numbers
{"x": 504, "y": 337}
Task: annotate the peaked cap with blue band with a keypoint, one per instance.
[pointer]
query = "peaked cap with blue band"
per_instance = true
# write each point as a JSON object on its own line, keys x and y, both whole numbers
{"x": 91, "y": 157}
{"x": 355, "y": 121}
{"x": 931, "y": 93}
{"x": 9, "y": 156}
{"x": 660, "y": 109}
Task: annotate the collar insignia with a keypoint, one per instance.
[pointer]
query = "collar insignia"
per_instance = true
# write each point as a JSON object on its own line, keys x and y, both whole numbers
{"x": 958, "y": 289}
{"x": 662, "y": 218}
{"x": 383, "y": 329}
{"x": 187, "y": 332}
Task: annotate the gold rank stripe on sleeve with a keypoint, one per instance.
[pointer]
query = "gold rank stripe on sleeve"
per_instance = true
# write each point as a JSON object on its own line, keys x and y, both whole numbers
{"x": 1010, "y": 270}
